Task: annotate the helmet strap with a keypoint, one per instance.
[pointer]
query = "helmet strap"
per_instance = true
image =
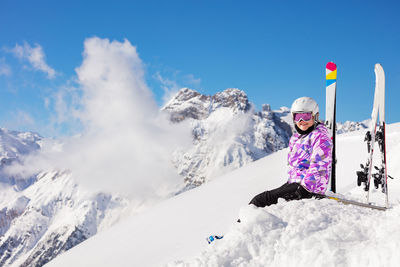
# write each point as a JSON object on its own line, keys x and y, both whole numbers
{"x": 316, "y": 117}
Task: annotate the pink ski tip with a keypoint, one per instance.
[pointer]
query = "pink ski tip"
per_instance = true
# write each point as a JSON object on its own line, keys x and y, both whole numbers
{"x": 331, "y": 66}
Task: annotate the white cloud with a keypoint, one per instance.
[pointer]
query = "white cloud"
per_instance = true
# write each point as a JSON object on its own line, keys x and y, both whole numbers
{"x": 24, "y": 118}
{"x": 35, "y": 56}
{"x": 126, "y": 143}
{"x": 46, "y": 102}
{"x": 5, "y": 69}
{"x": 20, "y": 119}
{"x": 65, "y": 102}
{"x": 170, "y": 86}
{"x": 191, "y": 80}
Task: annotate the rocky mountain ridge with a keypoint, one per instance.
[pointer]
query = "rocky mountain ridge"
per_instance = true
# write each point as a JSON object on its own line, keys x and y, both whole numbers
{"x": 351, "y": 126}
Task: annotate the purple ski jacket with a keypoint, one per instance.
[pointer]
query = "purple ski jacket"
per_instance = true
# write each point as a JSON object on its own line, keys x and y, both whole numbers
{"x": 310, "y": 159}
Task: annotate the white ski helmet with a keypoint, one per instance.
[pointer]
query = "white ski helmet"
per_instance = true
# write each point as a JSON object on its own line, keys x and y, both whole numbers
{"x": 305, "y": 104}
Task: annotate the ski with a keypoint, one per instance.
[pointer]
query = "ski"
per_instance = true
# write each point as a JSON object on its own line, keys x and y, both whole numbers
{"x": 364, "y": 176}
{"x": 330, "y": 113}
{"x": 380, "y": 178}
{"x": 356, "y": 203}
{"x": 376, "y": 133}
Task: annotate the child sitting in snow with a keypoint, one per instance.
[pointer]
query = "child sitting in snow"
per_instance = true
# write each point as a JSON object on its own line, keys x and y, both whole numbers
{"x": 309, "y": 158}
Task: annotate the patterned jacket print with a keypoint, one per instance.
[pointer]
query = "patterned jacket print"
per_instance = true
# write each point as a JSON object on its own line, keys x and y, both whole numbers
{"x": 310, "y": 159}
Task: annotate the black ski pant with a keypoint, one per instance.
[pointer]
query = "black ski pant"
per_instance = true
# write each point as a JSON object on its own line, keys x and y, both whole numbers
{"x": 293, "y": 191}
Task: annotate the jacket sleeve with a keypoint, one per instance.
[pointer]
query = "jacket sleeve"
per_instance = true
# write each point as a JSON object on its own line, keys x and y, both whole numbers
{"x": 316, "y": 177}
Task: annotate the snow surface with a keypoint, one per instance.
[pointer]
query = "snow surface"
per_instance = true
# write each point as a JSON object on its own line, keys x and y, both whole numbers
{"x": 297, "y": 233}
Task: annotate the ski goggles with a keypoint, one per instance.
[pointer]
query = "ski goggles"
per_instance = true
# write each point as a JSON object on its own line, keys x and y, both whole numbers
{"x": 297, "y": 117}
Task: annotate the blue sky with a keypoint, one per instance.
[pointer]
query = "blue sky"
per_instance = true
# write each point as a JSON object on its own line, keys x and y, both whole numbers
{"x": 275, "y": 51}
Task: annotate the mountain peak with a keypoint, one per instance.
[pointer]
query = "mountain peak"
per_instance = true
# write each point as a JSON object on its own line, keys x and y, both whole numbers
{"x": 13, "y": 143}
{"x": 188, "y": 103}
{"x": 185, "y": 94}
{"x": 232, "y": 98}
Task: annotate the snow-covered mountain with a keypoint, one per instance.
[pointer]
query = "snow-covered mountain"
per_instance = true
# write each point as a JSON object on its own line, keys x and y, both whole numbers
{"x": 227, "y": 132}
{"x": 14, "y": 144}
{"x": 50, "y": 216}
{"x": 45, "y": 214}
{"x": 298, "y": 233}
{"x": 351, "y": 126}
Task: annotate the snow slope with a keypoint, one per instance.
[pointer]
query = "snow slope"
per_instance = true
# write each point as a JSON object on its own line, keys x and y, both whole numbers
{"x": 298, "y": 233}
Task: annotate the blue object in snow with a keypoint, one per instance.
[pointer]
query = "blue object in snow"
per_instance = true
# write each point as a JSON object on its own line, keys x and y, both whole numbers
{"x": 212, "y": 238}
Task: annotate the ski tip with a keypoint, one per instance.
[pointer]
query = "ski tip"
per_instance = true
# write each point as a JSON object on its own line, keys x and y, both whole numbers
{"x": 331, "y": 66}
{"x": 378, "y": 67}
